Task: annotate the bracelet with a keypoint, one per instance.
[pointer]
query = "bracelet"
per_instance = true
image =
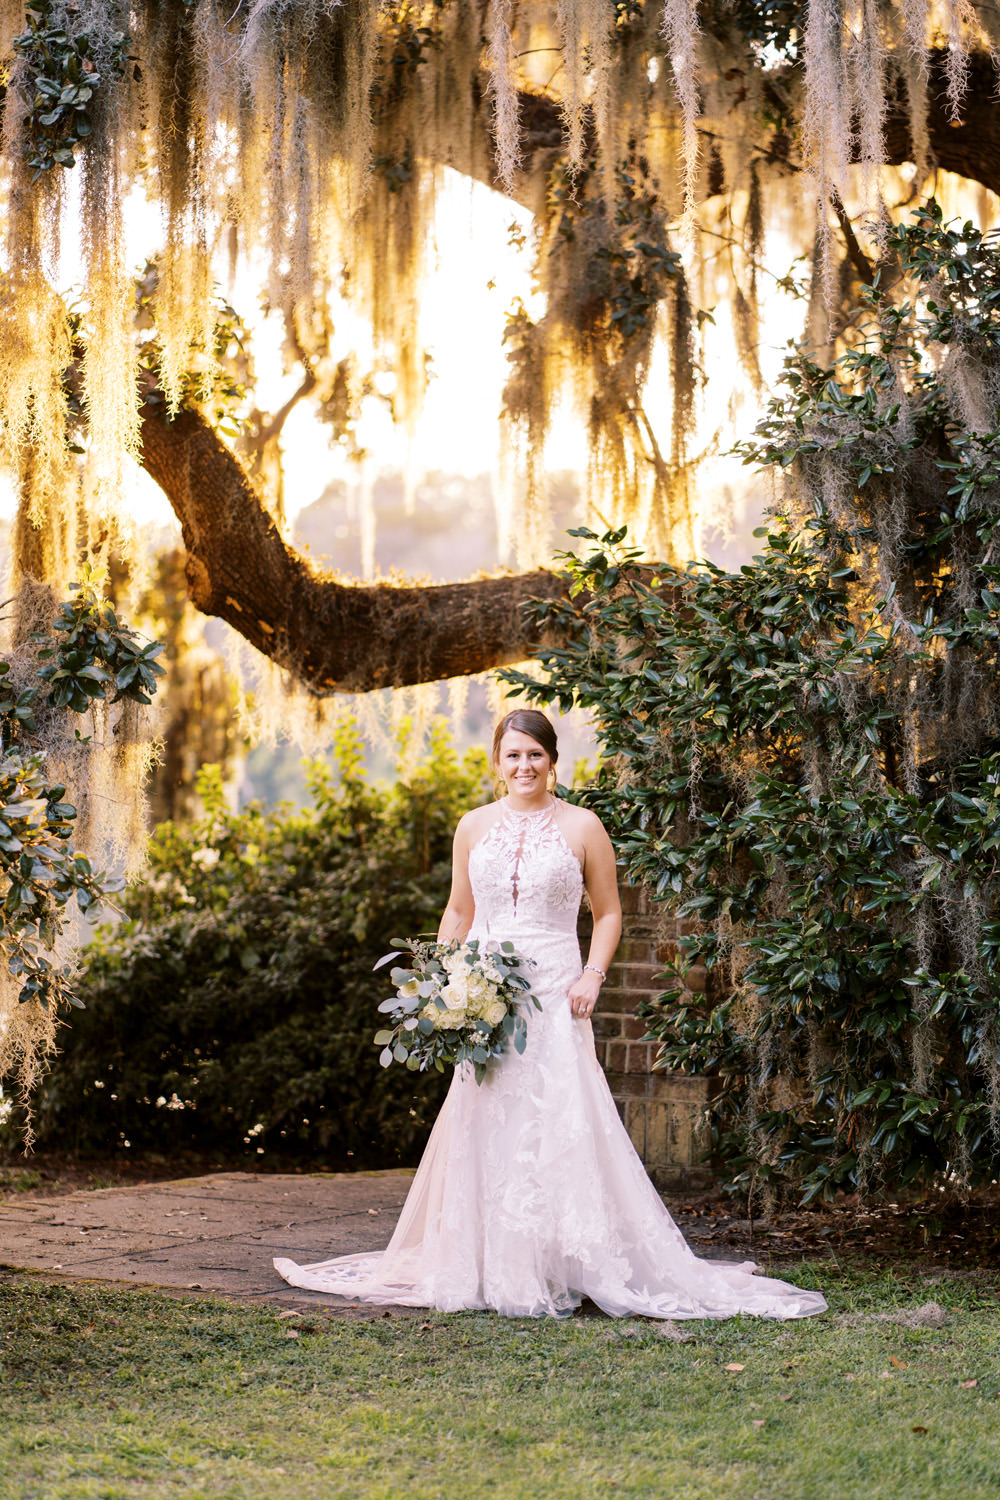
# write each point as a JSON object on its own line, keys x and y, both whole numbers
{"x": 594, "y": 969}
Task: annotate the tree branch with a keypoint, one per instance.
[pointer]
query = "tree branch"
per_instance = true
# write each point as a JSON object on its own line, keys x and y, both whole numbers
{"x": 334, "y": 636}
{"x": 271, "y": 428}
{"x": 970, "y": 148}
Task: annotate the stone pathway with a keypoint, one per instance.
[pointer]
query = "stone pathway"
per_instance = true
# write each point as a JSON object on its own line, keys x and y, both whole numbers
{"x": 205, "y": 1234}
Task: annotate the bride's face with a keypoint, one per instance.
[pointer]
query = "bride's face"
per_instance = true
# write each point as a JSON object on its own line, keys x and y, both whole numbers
{"x": 524, "y": 765}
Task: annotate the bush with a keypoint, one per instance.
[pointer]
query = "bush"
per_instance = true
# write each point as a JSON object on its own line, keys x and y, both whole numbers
{"x": 803, "y": 757}
{"x": 233, "y": 1009}
{"x": 849, "y": 926}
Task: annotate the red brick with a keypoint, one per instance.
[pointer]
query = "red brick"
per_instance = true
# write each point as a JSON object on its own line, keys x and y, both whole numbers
{"x": 635, "y": 1124}
{"x": 634, "y": 1028}
{"x": 615, "y": 1056}
{"x": 630, "y": 895}
{"x": 639, "y": 1058}
{"x": 613, "y": 998}
{"x": 639, "y": 976}
{"x": 680, "y": 1088}
{"x": 634, "y": 950}
{"x": 607, "y": 1025}
{"x": 628, "y": 1085}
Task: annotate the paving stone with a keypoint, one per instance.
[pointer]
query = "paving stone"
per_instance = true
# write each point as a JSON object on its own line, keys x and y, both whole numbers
{"x": 214, "y": 1234}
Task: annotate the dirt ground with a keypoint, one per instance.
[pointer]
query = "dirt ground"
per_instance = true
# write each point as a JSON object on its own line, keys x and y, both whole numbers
{"x": 949, "y": 1234}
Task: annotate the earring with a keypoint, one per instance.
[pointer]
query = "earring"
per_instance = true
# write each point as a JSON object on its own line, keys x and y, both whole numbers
{"x": 552, "y": 780}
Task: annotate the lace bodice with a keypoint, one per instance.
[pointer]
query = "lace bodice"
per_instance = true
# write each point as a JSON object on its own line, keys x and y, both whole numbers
{"x": 525, "y": 877}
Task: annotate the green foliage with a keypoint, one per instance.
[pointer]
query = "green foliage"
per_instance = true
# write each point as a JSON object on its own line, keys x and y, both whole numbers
{"x": 95, "y": 655}
{"x": 64, "y": 76}
{"x": 805, "y": 898}
{"x": 803, "y": 757}
{"x": 234, "y": 1007}
{"x": 90, "y": 657}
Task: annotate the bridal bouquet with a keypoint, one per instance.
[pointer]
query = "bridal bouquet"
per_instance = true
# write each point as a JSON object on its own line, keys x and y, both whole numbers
{"x": 454, "y": 1003}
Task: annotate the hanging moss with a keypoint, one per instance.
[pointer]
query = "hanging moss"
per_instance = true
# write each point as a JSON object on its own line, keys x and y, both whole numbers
{"x": 309, "y": 137}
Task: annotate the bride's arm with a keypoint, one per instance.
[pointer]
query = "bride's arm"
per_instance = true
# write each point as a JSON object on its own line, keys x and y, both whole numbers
{"x": 600, "y": 874}
{"x": 458, "y": 914}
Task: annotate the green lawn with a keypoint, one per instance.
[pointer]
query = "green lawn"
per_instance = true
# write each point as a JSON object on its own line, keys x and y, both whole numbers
{"x": 112, "y": 1394}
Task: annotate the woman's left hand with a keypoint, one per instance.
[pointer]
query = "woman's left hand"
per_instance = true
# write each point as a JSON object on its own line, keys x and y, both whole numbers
{"x": 583, "y": 995}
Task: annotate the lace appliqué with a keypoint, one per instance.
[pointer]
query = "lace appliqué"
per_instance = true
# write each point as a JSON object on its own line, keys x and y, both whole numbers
{"x": 524, "y": 866}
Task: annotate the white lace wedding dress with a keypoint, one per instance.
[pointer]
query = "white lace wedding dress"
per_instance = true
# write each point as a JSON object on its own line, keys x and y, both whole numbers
{"x": 529, "y": 1196}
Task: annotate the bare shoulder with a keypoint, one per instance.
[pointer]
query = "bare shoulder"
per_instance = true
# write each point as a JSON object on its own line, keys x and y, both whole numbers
{"x": 473, "y": 824}
{"x": 585, "y": 824}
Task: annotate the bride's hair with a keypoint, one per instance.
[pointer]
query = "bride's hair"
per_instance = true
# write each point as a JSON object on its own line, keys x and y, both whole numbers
{"x": 527, "y": 721}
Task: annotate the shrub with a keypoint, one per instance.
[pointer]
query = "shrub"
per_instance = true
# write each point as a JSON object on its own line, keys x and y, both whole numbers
{"x": 86, "y": 666}
{"x": 234, "y": 1007}
{"x": 803, "y": 757}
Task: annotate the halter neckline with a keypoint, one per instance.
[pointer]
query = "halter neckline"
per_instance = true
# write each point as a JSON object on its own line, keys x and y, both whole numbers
{"x": 541, "y": 812}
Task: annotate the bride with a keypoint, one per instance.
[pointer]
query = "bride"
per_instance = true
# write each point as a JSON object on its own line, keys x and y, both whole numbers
{"x": 529, "y": 1196}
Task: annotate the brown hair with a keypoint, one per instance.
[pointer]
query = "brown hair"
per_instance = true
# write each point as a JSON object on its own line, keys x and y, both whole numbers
{"x": 527, "y": 721}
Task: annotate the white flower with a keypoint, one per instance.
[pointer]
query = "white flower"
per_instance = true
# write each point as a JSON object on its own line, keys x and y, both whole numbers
{"x": 479, "y": 988}
{"x": 450, "y": 1020}
{"x": 207, "y": 858}
{"x": 410, "y": 988}
{"x": 456, "y": 992}
{"x": 494, "y": 1013}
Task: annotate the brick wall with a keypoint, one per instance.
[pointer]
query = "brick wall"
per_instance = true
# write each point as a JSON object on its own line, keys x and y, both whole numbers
{"x": 660, "y": 1110}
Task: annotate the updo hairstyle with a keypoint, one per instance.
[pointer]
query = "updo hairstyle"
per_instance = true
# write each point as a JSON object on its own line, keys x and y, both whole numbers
{"x": 528, "y": 721}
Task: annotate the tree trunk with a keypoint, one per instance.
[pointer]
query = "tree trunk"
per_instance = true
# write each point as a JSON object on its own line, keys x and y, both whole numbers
{"x": 334, "y": 636}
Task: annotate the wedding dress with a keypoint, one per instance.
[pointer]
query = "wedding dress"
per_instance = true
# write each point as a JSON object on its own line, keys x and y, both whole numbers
{"x": 530, "y": 1196}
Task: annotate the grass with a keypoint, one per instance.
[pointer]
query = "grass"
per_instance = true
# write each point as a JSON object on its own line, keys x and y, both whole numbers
{"x": 112, "y": 1394}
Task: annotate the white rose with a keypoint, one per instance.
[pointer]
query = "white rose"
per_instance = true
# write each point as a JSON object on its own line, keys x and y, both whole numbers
{"x": 451, "y": 1020}
{"x": 456, "y": 993}
{"x": 410, "y": 988}
{"x": 494, "y": 1013}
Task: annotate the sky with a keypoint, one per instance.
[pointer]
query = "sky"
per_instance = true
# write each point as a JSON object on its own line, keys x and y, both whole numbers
{"x": 476, "y": 276}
